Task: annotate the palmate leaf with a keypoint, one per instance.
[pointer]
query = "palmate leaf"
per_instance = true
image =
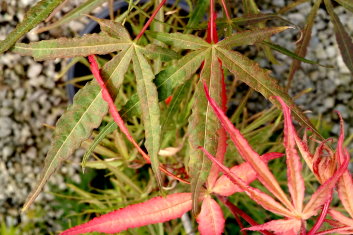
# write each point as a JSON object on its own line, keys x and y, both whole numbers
{"x": 259, "y": 79}
{"x": 211, "y": 220}
{"x": 71, "y": 47}
{"x": 74, "y": 126}
{"x": 84, "y": 8}
{"x": 203, "y": 125}
{"x": 155, "y": 210}
{"x": 148, "y": 96}
{"x": 249, "y": 37}
{"x": 179, "y": 40}
{"x": 344, "y": 40}
{"x": 33, "y": 17}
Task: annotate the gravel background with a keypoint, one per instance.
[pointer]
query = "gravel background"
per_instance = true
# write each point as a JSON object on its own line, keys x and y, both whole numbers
{"x": 31, "y": 95}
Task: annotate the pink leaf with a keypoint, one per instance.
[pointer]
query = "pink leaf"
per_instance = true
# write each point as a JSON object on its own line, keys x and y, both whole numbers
{"x": 244, "y": 171}
{"x": 210, "y": 219}
{"x": 155, "y": 210}
{"x": 259, "y": 197}
{"x": 248, "y": 154}
{"x": 287, "y": 226}
{"x": 345, "y": 184}
{"x": 341, "y": 218}
{"x": 324, "y": 192}
{"x": 295, "y": 179}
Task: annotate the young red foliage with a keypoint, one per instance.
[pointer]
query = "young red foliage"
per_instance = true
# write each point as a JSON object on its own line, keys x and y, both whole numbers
{"x": 295, "y": 213}
{"x": 210, "y": 219}
{"x": 155, "y": 210}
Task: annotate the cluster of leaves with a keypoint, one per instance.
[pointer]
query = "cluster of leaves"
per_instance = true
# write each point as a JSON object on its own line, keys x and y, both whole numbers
{"x": 177, "y": 67}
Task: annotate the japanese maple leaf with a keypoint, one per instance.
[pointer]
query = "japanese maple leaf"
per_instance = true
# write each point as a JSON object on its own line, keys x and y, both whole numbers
{"x": 293, "y": 209}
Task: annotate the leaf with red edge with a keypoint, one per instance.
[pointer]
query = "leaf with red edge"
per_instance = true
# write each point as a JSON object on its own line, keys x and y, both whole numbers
{"x": 285, "y": 226}
{"x": 295, "y": 179}
{"x": 341, "y": 218}
{"x": 259, "y": 197}
{"x": 155, "y": 210}
{"x": 324, "y": 192}
{"x": 248, "y": 154}
{"x": 244, "y": 171}
{"x": 210, "y": 219}
{"x": 345, "y": 183}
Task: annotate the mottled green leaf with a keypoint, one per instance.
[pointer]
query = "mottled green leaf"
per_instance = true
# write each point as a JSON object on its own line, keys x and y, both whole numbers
{"x": 33, "y": 17}
{"x": 259, "y": 79}
{"x": 71, "y": 47}
{"x": 113, "y": 73}
{"x": 179, "y": 40}
{"x": 74, "y": 126}
{"x": 303, "y": 44}
{"x": 177, "y": 74}
{"x": 84, "y": 8}
{"x": 249, "y": 37}
{"x": 203, "y": 125}
{"x": 348, "y": 4}
{"x": 113, "y": 29}
{"x": 157, "y": 52}
{"x": 344, "y": 41}
{"x": 148, "y": 96}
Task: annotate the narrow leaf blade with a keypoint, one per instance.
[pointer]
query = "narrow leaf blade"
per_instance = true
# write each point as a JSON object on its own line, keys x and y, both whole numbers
{"x": 344, "y": 40}
{"x": 74, "y": 126}
{"x": 155, "y": 210}
{"x": 180, "y": 40}
{"x": 257, "y": 78}
{"x": 283, "y": 226}
{"x": 150, "y": 111}
{"x": 211, "y": 220}
{"x": 33, "y": 17}
{"x": 346, "y": 3}
{"x": 203, "y": 125}
{"x": 71, "y": 47}
{"x": 249, "y": 37}
{"x": 295, "y": 179}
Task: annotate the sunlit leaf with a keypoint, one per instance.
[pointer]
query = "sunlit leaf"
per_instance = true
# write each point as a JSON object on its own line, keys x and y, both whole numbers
{"x": 74, "y": 126}
{"x": 33, "y": 17}
{"x": 249, "y": 37}
{"x": 155, "y": 210}
{"x": 210, "y": 219}
{"x": 149, "y": 106}
{"x": 71, "y": 47}
{"x": 344, "y": 40}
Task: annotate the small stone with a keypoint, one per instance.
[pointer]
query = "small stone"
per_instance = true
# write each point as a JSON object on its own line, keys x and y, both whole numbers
{"x": 296, "y": 18}
{"x": 329, "y": 102}
{"x": 6, "y": 111}
{"x": 7, "y": 151}
{"x": 5, "y": 126}
{"x": 331, "y": 52}
{"x": 34, "y": 70}
{"x": 278, "y": 3}
{"x": 343, "y": 110}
